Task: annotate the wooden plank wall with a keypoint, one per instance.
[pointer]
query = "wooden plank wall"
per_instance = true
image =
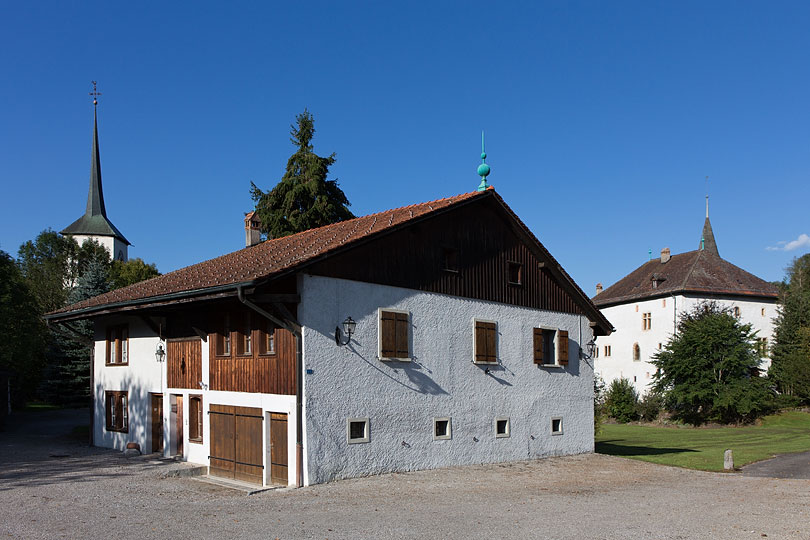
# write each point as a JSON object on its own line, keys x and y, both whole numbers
{"x": 414, "y": 258}
{"x": 267, "y": 374}
{"x": 184, "y": 363}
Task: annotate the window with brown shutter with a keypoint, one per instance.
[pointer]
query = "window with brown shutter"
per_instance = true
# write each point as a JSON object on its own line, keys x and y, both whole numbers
{"x": 195, "y": 419}
{"x": 117, "y": 345}
{"x": 117, "y": 411}
{"x": 485, "y": 342}
{"x": 562, "y": 347}
{"x": 394, "y": 335}
{"x": 538, "y": 345}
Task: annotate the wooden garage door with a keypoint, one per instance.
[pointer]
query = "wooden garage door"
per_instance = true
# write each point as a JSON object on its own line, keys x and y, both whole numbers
{"x": 236, "y": 443}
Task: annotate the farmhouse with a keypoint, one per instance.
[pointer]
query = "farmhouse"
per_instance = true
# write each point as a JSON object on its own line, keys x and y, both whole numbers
{"x": 645, "y": 305}
{"x": 437, "y": 334}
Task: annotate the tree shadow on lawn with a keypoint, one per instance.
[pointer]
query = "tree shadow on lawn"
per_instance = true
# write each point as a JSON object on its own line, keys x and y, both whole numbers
{"x": 608, "y": 447}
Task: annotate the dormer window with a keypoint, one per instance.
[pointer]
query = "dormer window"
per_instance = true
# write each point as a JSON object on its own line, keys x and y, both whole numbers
{"x": 656, "y": 280}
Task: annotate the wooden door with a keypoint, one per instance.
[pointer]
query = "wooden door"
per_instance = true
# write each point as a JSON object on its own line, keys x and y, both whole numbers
{"x": 157, "y": 422}
{"x": 236, "y": 443}
{"x": 278, "y": 449}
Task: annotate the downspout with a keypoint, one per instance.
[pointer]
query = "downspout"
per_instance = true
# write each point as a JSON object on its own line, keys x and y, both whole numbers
{"x": 295, "y": 328}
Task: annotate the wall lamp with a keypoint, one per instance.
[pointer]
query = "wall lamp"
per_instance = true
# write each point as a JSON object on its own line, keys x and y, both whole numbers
{"x": 590, "y": 347}
{"x": 160, "y": 352}
{"x": 348, "y": 328}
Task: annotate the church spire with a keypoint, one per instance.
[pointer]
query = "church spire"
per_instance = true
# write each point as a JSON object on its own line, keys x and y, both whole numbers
{"x": 95, "y": 195}
{"x": 94, "y": 223}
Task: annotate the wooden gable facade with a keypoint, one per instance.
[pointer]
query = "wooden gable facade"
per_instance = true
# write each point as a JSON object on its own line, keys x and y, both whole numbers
{"x": 475, "y": 251}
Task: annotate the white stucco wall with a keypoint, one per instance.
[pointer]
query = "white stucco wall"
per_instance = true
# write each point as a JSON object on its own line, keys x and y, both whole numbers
{"x": 118, "y": 249}
{"x": 627, "y": 320}
{"x": 402, "y": 398}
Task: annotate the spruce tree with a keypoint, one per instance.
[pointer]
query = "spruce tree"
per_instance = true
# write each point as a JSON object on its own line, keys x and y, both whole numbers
{"x": 67, "y": 379}
{"x": 790, "y": 354}
{"x": 305, "y": 198}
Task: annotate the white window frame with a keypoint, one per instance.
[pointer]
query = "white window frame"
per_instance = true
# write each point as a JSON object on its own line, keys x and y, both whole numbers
{"x": 446, "y": 436}
{"x": 551, "y": 425}
{"x": 507, "y": 433}
{"x": 497, "y": 342}
{"x": 556, "y": 363}
{"x": 379, "y": 335}
{"x": 360, "y": 440}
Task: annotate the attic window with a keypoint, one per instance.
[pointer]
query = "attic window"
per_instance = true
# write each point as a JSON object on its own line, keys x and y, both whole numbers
{"x": 515, "y": 275}
{"x": 450, "y": 256}
{"x": 656, "y": 280}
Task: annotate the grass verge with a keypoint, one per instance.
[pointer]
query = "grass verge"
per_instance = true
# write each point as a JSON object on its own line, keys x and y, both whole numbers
{"x": 702, "y": 448}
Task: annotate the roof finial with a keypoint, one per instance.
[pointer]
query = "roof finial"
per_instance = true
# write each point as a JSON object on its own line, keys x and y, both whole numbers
{"x": 649, "y": 252}
{"x": 707, "y": 197}
{"x": 95, "y": 94}
{"x": 483, "y": 169}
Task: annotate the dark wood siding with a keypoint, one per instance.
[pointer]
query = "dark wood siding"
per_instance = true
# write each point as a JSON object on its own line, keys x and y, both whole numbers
{"x": 484, "y": 246}
{"x": 184, "y": 363}
{"x": 263, "y": 373}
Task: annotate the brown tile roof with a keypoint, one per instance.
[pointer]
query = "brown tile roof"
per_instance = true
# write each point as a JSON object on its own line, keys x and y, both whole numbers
{"x": 267, "y": 258}
{"x": 699, "y": 271}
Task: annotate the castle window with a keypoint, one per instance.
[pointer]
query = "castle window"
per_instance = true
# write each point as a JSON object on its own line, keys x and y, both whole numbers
{"x": 393, "y": 335}
{"x": 607, "y": 350}
{"x": 485, "y": 342}
{"x": 117, "y": 345}
{"x": 736, "y": 311}
{"x": 195, "y": 419}
{"x": 357, "y": 430}
{"x": 636, "y": 353}
{"x": 646, "y": 321}
{"x": 441, "y": 429}
{"x": 117, "y": 409}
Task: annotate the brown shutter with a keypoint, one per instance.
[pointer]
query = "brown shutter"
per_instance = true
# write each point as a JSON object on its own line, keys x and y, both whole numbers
{"x": 485, "y": 342}
{"x": 562, "y": 345}
{"x": 388, "y": 333}
{"x": 401, "y": 335}
{"x": 107, "y": 354}
{"x": 538, "y": 345}
{"x": 491, "y": 353}
{"x": 108, "y": 410}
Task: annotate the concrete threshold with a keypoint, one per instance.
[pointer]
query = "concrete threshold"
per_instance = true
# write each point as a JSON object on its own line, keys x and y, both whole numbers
{"x": 244, "y": 487}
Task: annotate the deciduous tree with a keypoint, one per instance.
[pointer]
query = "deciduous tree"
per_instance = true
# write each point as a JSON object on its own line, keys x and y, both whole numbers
{"x": 707, "y": 367}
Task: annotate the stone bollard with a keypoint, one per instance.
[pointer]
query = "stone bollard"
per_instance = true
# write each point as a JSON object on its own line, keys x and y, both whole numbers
{"x": 728, "y": 460}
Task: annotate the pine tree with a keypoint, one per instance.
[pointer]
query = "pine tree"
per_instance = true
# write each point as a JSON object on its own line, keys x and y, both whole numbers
{"x": 790, "y": 354}
{"x": 304, "y": 199}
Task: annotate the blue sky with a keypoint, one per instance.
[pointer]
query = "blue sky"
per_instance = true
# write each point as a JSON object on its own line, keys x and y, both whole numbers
{"x": 602, "y": 118}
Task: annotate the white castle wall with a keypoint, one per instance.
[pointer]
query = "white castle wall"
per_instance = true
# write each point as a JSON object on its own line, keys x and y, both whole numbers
{"x": 627, "y": 320}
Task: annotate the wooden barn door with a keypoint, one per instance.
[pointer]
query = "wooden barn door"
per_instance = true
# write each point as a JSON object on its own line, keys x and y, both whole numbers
{"x": 278, "y": 449}
{"x": 236, "y": 443}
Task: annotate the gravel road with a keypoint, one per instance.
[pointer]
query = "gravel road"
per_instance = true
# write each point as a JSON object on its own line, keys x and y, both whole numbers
{"x": 94, "y": 493}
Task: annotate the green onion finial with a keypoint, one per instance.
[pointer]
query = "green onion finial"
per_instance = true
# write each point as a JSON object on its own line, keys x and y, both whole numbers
{"x": 483, "y": 169}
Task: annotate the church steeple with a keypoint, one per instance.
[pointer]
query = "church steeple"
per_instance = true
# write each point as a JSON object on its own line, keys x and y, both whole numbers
{"x": 95, "y": 224}
{"x": 95, "y": 196}
{"x": 707, "y": 242}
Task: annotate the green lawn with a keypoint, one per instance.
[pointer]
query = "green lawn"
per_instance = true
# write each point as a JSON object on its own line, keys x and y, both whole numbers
{"x": 702, "y": 448}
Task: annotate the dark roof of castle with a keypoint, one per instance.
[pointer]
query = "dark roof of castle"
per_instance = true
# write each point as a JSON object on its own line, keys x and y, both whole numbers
{"x": 95, "y": 221}
{"x": 702, "y": 271}
{"x": 279, "y": 256}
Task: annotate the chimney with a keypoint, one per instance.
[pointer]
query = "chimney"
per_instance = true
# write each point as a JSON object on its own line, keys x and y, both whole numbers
{"x": 598, "y": 288}
{"x": 665, "y": 255}
{"x": 253, "y": 233}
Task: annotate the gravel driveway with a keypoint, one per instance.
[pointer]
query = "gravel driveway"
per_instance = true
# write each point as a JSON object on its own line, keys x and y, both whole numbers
{"x": 96, "y": 493}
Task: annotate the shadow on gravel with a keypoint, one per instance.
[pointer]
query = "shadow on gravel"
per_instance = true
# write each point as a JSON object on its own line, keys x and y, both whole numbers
{"x": 607, "y": 447}
{"x": 46, "y": 448}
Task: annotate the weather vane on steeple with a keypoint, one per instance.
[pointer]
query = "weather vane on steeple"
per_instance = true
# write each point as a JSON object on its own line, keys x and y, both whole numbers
{"x": 95, "y": 94}
{"x": 483, "y": 169}
{"x": 707, "y": 197}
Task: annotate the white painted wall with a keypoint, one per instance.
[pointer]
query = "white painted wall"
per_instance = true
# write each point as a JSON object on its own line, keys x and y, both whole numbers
{"x": 627, "y": 319}
{"x": 402, "y": 398}
{"x": 117, "y": 249}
